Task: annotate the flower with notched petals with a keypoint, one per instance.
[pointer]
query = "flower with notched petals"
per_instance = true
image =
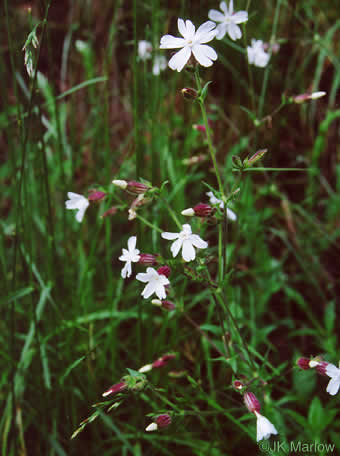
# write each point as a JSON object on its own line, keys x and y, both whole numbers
{"x": 186, "y": 241}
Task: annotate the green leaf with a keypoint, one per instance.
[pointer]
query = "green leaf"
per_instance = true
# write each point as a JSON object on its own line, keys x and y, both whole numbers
{"x": 204, "y": 91}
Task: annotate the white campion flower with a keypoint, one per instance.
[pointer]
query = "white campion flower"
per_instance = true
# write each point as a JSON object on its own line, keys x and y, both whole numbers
{"x": 213, "y": 200}
{"x": 228, "y": 21}
{"x": 159, "y": 64}
{"x": 192, "y": 42}
{"x": 334, "y": 383}
{"x": 155, "y": 283}
{"x": 186, "y": 241}
{"x": 129, "y": 256}
{"x": 264, "y": 428}
{"x": 256, "y": 54}
{"x": 79, "y": 202}
{"x": 144, "y": 49}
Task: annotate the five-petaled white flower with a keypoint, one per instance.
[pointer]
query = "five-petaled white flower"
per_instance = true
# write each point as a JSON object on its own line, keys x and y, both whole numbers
{"x": 185, "y": 240}
{"x": 155, "y": 283}
{"x": 334, "y": 383}
{"x": 129, "y": 256}
{"x": 79, "y": 202}
{"x": 192, "y": 42}
{"x": 256, "y": 54}
{"x": 264, "y": 428}
{"x": 144, "y": 49}
{"x": 213, "y": 200}
{"x": 228, "y": 21}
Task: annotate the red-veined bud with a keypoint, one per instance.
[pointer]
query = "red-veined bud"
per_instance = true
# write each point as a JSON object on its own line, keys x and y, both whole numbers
{"x": 303, "y": 363}
{"x": 147, "y": 258}
{"x": 238, "y": 385}
{"x": 109, "y": 212}
{"x": 252, "y": 403}
{"x": 164, "y": 270}
{"x": 189, "y": 93}
{"x": 162, "y": 421}
{"x": 116, "y": 388}
{"x": 96, "y": 195}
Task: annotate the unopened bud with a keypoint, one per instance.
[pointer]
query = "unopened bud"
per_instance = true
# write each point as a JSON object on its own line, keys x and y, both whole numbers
{"x": 252, "y": 403}
{"x": 163, "y": 360}
{"x": 164, "y": 270}
{"x": 146, "y": 368}
{"x": 117, "y": 388}
{"x": 307, "y": 96}
{"x": 189, "y": 93}
{"x": 168, "y": 305}
{"x": 304, "y": 363}
{"x": 199, "y": 128}
{"x": 188, "y": 212}
{"x": 321, "y": 367}
{"x": 147, "y": 258}
{"x": 163, "y": 421}
{"x": 237, "y": 162}
{"x": 120, "y": 183}
{"x": 137, "y": 187}
{"x": 96, "y": 195}
{"x": 238, "y": 385}
{"x": 203, "y": 210}
{"x": 151, "y": 427}
{"x": 110, "y": 211}
{"x": 256, "y": 157}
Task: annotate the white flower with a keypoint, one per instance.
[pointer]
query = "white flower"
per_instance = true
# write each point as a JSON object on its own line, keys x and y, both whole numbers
{"x": 159, "y": 64}
{"x": 156, "y": 283}
{"x": 264, "y": 428}
{"x": 213, "y": 200}
{"x": 129, "y": 256}
{"x": 192, "y": 42}
{"x": 334, "y": 383}
{"x": 316, "y": 95}
{"x": 186, "y": 241}
{"x": 77, "y": 202}
{"x": 256, "y": 54}
{"x": 228, "y": 20}
{"x": 144, "y": 50}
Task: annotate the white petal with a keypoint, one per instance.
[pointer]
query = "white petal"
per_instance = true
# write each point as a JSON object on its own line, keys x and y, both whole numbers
{"x": 148, "y": 290}
{"x": 333, "y": 386}
{"x": 72, "y": 195}
{"x": 264, "y": 428}
{"x": 126, "y": 271}
{"x": 250, "y": 54}
{"x": 223, "y": 7}
{"x": 215, "y": 15}
{"x": 132, "y": 243}
{"x": 190, "y": 32}
{"x": 231, "y": 7}
{"x": 204, "y": 54}
{"x": 160, "y": 291}
{"x": 188, "y": 251}
{"x": 181, "y": 27}
{"x": 221, "y": 31}
{"x": 332, "y": 371}
{"x": 178, "y": 61}
{"x": 187, "y": 228}
{"x": 261, "y": 59}
{"x": 169, "y": 236}
{"x": 240, "y": 16}
{"x": 204, "y": 32}
{"x": 234, "y": 31}
{"x": 151, "y": 427}
{"x": 143, "y": 277}
{"x": 171, "y": 42}
{"x": 198, "y": 242}
{"x": 80, "y": 214}
{"x": 176, "y": 247}
{"x": 231, "y": 215}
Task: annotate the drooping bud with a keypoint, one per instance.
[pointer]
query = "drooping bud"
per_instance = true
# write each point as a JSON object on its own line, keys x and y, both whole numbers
{"x": 163, "y": 303}
{"x": 189, "y": 93}
{"x": 96, "y": 195}
{"x": 164, "y": 270}
{"x": 116, "y": 388}
{"x": 137, "y": 187}
{"x": 147, "y": 258}
{"x": 162, "y": 421}
{"x": 251, "y": 402}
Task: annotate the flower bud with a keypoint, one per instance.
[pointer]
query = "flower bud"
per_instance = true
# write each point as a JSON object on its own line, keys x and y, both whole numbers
{"x": 237, "y": 162}
{"x": 163, "y": 360}
{"x": 321, "y": 367}
{"x": 117, "y": 388}
{"x": 203, "y": 210}
{"x": 147, "y": 258}
{"x": 110, "y": 211}
{"x": 189, "y": 93}
{"x": 188, "y": 212}
{"x": 303, "y": 363}
{"x": 146, "y": 368}
{"x": 168, "y": 305}
{"x": 137, "y": 187}
{"x": 238, "y": 385}
{"x": 199, "y": 128}
{"x": 252, "y": 403}
{"x": 96, "y": 195}
{"x": 307, "y": 96}
{"x": 120, "y": 183}
{"x": 164, "y": 270}
{"x": 256, "y": 157}
{"x": 162, "y": 421}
